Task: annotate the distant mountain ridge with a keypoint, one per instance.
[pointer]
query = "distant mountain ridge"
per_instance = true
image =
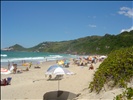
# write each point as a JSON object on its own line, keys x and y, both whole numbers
{"x": 87, "y": 45}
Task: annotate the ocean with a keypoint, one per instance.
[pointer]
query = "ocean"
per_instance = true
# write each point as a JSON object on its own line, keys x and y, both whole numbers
{"x": 34, "y": 57}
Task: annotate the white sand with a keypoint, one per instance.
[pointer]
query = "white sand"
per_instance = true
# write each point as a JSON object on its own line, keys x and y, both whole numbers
{"x": 33, "y": 84}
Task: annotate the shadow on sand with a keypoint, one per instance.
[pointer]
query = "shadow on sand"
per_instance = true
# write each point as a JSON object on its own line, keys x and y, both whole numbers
{"x": 60, "y": 95}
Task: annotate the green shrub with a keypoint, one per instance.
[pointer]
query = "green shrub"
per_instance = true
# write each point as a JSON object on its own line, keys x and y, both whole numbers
{"x": 118, "y": 68}
{"x": 127, "y": 94}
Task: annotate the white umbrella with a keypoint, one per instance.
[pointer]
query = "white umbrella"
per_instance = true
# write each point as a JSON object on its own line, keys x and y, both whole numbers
{"x": 58, "y": 70}
{"x": 103, "y": 57}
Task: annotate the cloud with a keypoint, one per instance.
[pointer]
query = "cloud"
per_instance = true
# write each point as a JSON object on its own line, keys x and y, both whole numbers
{"x": 93, "y": 26}
{"x": 127, "y": 29}
{"x": 126, "y": 11}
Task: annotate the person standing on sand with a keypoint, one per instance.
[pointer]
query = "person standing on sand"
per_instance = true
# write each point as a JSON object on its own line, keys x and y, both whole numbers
{"x": 15, "y": 68}
{"x": 30, "y": 64}
{"x": 8, "y": 65}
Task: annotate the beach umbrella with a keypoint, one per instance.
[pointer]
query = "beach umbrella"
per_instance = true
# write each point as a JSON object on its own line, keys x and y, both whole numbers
{"x": 103, "y": 57}
{"x": 58, "y": 71}
{"x": 61, "y": 62}
{"x": 25, "y": 64}
{"x": 5, "y": 71}
{"x": 53, "y": 67}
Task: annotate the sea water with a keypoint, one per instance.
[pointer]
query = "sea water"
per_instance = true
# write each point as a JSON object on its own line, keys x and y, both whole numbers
{"x": 34, "y": 57}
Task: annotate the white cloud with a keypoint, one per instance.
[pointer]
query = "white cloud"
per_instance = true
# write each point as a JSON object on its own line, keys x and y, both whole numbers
{"x": 127, "y": 29}
{"x": 93, "y": 26}
{"x": 126, "y": 11}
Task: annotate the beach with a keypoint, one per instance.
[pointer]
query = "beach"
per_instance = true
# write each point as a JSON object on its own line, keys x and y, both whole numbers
{"x": 33, "y": 84}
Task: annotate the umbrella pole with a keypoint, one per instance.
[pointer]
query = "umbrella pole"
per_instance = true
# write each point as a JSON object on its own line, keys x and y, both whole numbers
{"x": 58, "y": 85}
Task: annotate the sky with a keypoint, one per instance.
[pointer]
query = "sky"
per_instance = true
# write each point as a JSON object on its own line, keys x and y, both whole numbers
{"x": 29, "y": 23}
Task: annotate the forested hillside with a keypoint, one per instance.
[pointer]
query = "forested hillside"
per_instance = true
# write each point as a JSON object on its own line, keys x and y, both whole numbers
{"x": 87, "y": 45}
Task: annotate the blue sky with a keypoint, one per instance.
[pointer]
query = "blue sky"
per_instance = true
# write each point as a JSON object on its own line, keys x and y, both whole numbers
{"x": 29, "y": 23}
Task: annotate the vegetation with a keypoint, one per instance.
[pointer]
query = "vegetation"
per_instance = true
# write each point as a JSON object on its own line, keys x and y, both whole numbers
{"x": 17, "y": 47}
{"x": 126, "y": 95}
{"x": 87, "y": 45}
{"x": 116, "y": 70}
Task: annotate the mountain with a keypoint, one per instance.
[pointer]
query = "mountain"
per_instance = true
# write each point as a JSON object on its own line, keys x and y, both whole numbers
{"x": 16, "y": 47}
{"x": 86, "y": 45}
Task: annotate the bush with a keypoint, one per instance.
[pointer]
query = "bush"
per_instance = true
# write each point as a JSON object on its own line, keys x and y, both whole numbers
{"x": 126, "y": 95}
{"x": 117, "y": 68}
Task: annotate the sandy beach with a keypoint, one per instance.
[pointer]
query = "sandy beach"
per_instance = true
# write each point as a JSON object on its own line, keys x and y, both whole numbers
{"x": 33, "y": 84}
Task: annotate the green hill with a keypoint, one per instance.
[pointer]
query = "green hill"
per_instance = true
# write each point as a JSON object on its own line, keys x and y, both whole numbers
{"x": 87, "y": 45}
{"x": 17, "y": 47}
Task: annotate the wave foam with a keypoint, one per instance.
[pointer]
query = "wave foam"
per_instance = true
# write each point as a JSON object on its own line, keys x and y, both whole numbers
{"x": 3, "y": 55}
{"x": 49, "y": 58}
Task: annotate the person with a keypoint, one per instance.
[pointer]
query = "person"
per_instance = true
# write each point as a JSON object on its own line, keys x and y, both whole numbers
{"x": 19, "y": 70}
{"x": 6, "y": 81}
{"x": 11, "y": 68}
{"x": 8, "y": 65}
{"x": 3, "y": 82}
{"x": 27, "y": 69}
{"x": 30, "y": 64}
{"x": 50, "y": 76}
{"x": 15, "y": 68}
{"x": 56, "y": 61}
{"x": 91, "y": 67}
